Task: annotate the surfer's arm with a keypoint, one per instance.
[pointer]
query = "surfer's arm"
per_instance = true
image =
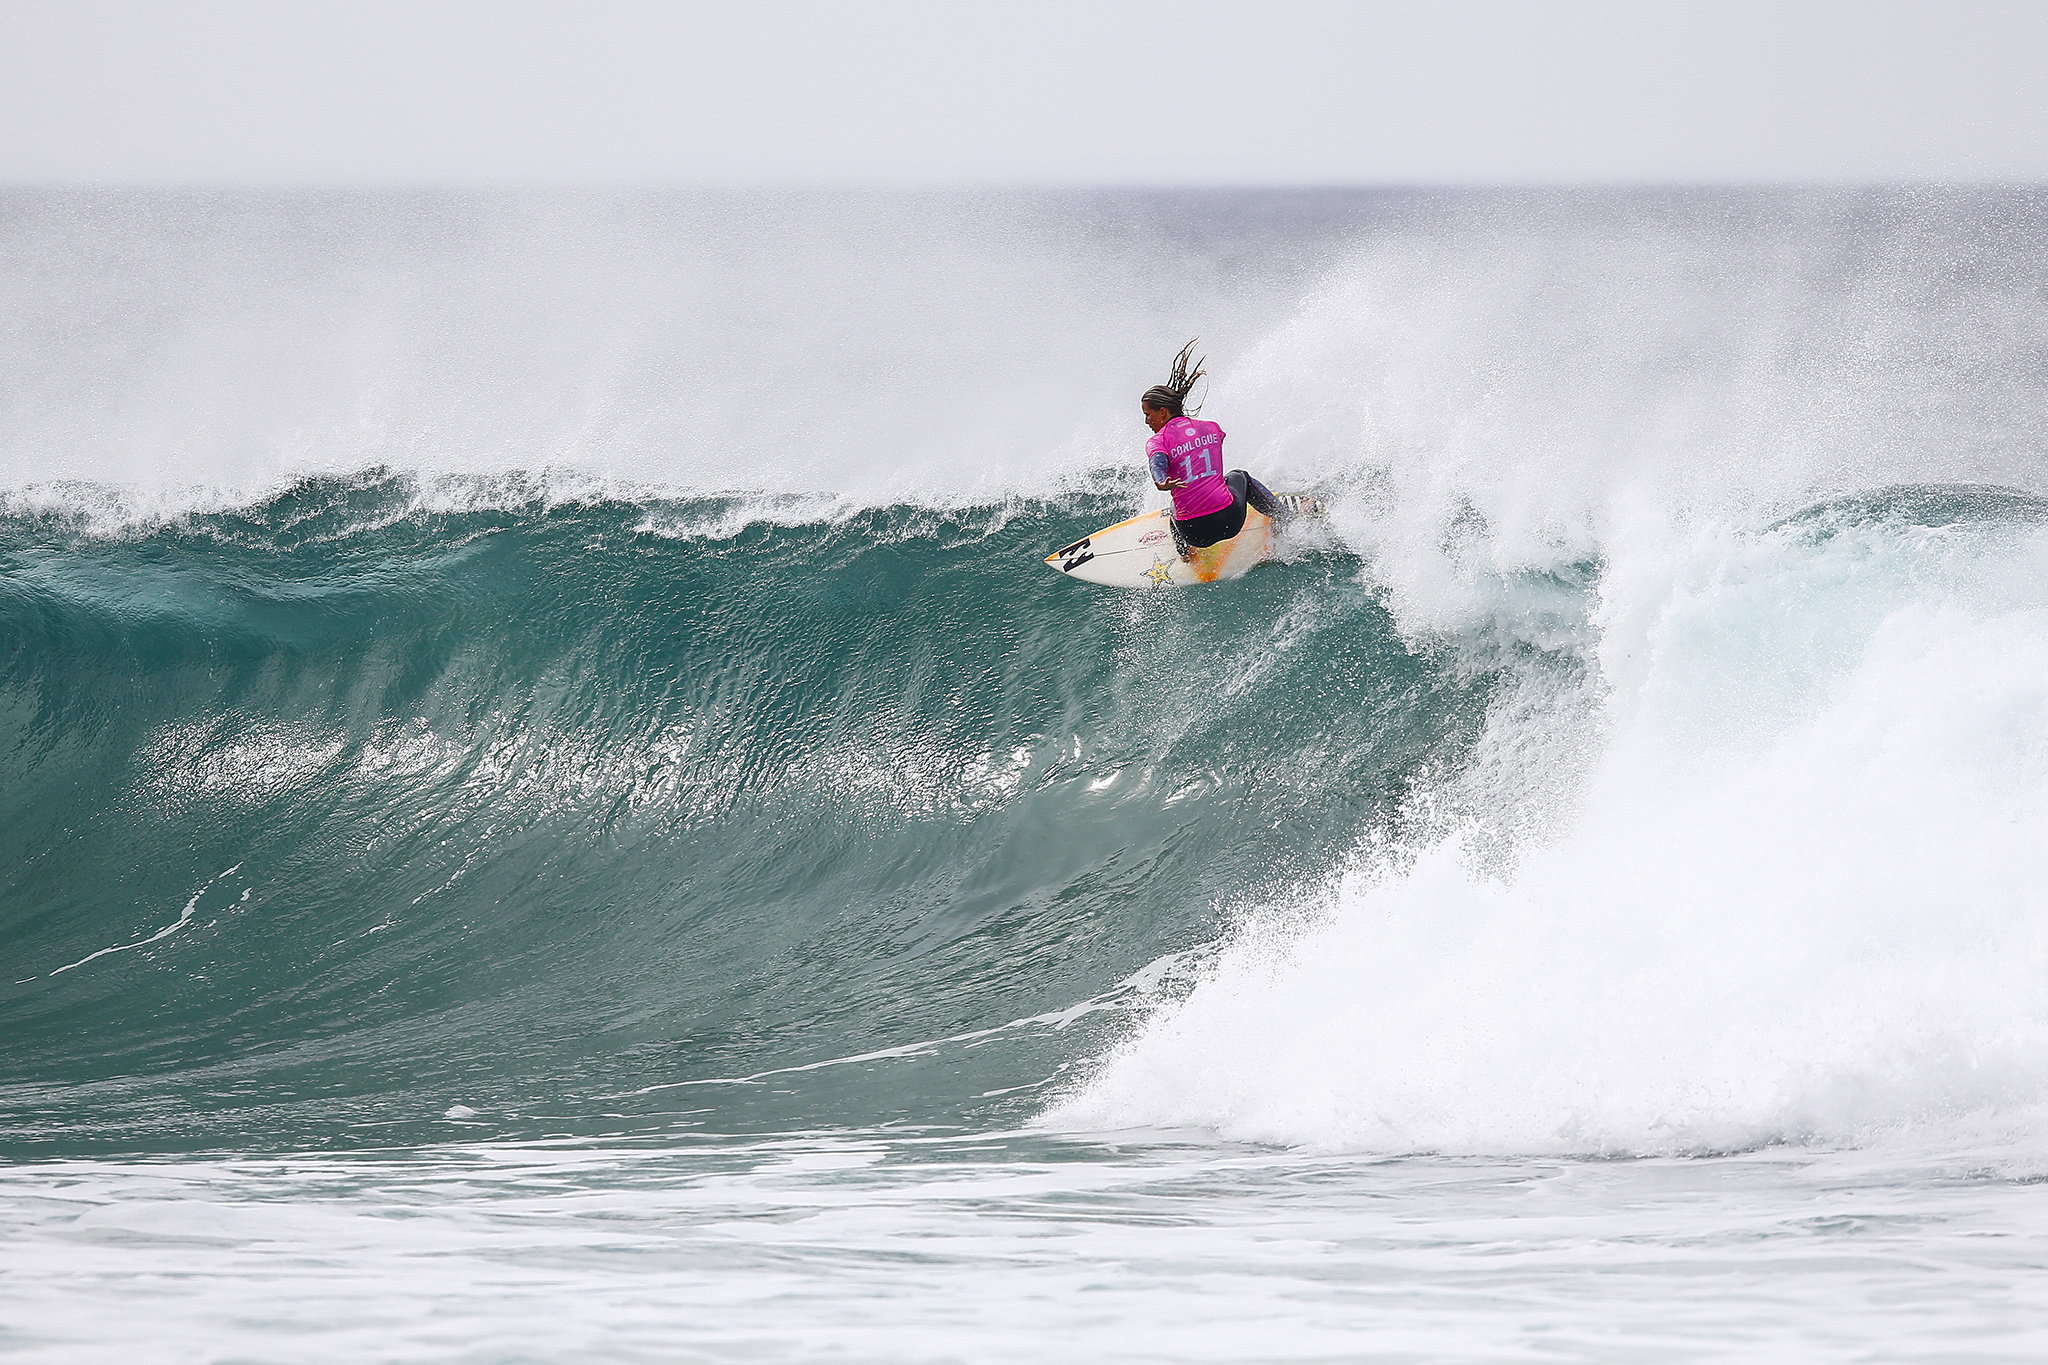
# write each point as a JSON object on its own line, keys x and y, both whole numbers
{"x": 1161, "y": 473}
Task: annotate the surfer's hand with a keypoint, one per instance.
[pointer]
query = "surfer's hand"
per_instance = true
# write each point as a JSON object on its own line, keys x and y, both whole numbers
{"x": 1170, "y": 483}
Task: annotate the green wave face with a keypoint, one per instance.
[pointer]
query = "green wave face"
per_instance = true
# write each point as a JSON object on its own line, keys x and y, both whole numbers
{"x": 324, "y": 815}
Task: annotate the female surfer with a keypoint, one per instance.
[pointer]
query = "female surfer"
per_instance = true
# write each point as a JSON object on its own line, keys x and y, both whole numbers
{"x": 1186, "y": 456}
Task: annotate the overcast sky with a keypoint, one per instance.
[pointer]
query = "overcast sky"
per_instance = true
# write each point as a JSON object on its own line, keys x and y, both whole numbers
{"x": 913, "y": 91}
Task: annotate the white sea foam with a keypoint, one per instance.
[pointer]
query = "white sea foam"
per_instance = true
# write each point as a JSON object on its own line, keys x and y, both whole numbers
{"x": 878, "y": 1246}
{"x": 1799, "y": 894}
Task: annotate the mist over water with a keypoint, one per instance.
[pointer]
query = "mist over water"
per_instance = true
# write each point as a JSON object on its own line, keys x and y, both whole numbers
{"x": 549, "y": 703}
{"x": 881, "y": 347}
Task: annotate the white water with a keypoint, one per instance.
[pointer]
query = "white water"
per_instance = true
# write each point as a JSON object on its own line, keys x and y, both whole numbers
{"x": 1799, "y": 895}
{"x": 894, "y": 1248}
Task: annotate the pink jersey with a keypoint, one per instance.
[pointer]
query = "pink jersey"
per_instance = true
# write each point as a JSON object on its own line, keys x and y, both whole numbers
{"x": 1191, "y": 450}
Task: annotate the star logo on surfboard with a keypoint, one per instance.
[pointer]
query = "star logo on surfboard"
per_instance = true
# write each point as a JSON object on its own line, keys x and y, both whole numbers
{"x": 1161, "y": 573}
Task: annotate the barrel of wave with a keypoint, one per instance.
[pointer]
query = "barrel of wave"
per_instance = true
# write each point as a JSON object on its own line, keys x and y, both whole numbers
{"x": 1140, "y": 553}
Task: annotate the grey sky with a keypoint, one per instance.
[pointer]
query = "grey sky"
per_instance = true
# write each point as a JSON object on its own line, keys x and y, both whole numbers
{"x": 1194, "y": 92}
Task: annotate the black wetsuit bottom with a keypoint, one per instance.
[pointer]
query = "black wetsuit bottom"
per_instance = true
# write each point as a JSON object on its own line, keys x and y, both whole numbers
{"x": 1225, "y": 522}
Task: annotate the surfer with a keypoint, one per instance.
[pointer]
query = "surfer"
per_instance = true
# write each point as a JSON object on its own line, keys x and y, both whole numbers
{"x": 1185, "y": 455}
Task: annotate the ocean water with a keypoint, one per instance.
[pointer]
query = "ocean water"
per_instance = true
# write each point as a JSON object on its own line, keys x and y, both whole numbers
{"x": 548, "y": 811}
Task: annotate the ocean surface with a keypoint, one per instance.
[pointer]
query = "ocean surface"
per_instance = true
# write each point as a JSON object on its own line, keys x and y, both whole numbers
{"x": 549, "y": 810}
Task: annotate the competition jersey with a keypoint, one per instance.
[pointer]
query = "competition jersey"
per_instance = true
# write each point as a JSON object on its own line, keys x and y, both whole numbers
{"x": 1190, "y": 450}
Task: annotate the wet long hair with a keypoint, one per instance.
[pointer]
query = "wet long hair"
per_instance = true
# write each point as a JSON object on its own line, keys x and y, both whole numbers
{"x": 1173, "y": 394}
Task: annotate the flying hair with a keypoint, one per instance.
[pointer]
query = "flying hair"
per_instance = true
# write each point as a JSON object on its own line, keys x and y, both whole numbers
{"x": 1172, "y": 395}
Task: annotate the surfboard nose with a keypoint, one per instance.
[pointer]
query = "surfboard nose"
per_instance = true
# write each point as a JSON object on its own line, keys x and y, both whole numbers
{"x": 1071, "y": 557}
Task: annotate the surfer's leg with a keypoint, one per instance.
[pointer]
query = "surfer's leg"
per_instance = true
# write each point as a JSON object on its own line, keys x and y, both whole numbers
{"x": 1180, "y": 540}
{"x": 1261, "y": 497}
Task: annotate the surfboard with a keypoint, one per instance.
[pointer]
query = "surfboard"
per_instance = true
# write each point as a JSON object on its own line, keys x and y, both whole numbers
{"x": 1139, "y": 553}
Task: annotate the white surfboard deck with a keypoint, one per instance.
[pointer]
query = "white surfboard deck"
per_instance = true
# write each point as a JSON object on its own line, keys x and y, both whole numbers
{"x": 1139, "y": 553}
